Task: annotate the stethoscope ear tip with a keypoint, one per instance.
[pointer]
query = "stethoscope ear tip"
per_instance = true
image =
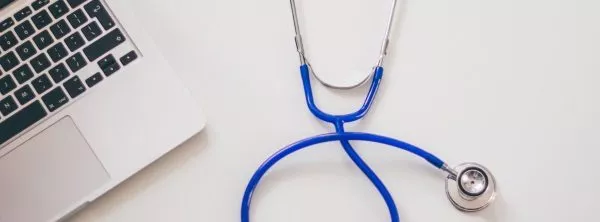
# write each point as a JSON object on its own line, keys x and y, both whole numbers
{"x": 472, "y": 188}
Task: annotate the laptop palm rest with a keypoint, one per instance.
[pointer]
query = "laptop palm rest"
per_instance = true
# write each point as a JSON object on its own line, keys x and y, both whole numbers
{"x": 45, "y": 175}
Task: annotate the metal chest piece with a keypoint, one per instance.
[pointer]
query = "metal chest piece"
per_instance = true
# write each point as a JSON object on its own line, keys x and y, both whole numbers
{"x": 471, "y": 188}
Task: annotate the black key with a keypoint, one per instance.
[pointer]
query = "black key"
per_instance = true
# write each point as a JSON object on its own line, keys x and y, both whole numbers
{"x": 40, "y": 63}
{"x": 9, "y": 61}
{"x": 24, "y": 94}
{"x": 21, "y": 121}
{"x": 24, "y": 30}
{"x": 74, "y": 87}
{"x": 23, "y": 74}
{"x": 104, "y": 44}
{"x": 75, "y": 3}
{"x": 76, "y": 62}
{"x": 109, "y": 65}
{"x": 41, "y": 84}
{"x": 26, "y": 50}
{"x": 77, "y": 18}
{"x": 55, "y": 99}
{"x": 91, "y": 31}
{"x": 74, "y": 41}
{"x": 94, "y": 79}
{"x": 43, "y": 40}
{"x": 111, "y": 69}
{"x": 8, "y": 41}
{"x": 7, "y": 106}
{"x": 23, "y": 13}
{"x": 5, "y": 3}
{"x": 59, "y": 73}
{"x": 95, "y": 9}
{"x": 58, "y": 9}
{"x": 41, "y": 19}
{"x": 106, "y": 61}
{"x": 7, "y": 84}
{"x": 57, "y": 52}
{"x": 128, "y": 58}
{"x": 60, "y": 29}
{"x": 6, "y": 24}
{"x": 39, "y": 4}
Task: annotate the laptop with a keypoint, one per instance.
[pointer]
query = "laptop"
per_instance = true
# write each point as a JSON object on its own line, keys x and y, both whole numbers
{"x": 86, "y": 101}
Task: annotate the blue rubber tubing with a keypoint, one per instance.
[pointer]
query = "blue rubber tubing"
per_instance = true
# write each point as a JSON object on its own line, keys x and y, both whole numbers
{"x": 370, "y": 174}
{"x": 343, "y": 137}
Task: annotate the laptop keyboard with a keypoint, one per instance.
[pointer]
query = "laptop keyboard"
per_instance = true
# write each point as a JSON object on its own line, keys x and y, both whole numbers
{"x": 52, "y": 53}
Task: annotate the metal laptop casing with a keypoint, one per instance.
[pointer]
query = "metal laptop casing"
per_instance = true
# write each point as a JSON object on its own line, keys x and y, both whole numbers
{"x": 132, "y": 118}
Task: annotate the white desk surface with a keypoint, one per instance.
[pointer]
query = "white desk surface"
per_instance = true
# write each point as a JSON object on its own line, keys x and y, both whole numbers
{"x": 512, "y": 84}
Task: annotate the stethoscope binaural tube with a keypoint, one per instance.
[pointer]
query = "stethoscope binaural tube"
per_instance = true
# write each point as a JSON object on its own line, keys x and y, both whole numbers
{"x": 304, "y": 60}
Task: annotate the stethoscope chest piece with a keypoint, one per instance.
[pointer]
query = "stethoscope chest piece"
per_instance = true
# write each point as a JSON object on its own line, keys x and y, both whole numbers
{"x": 472, "y": 188}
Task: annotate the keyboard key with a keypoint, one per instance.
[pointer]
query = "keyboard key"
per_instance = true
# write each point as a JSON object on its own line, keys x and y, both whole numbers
{"x": 20, "y": 121}
{"x": 58, "y": 9}
{"x": 106, "y": 61}
{"x": 104, "y": 44}
{"x": 5, "y": 3}
{"x": 91, "y": 31}
{"x": 24, "y": 30}
{"x": 75, "y": 3}
{"x": 60, "y": 29}
{"x": 24, "y": 94}
{"x": 76, "y": 62}
{"x": 111, "y": 69}
{"x": 6, "y": 24}
{"x": 8, "y": 41}
{"x": 7, "y": 84}
{"x": 74, "y": 87}
{"x": 23, "y": 13}
{"x": 39, "y": 4}
{"x": 77, "y": 18}
{"x": 26, "y": 50}
{"x": 95, "y": 9}
{"x": 57, "y": 52}
{"x": 109, "y": 65}
{"x": 128, "y": 58}
{"x": 59, "y": 73}
{"x": 7, "y": 106}
{"x": 41, "y": 84}
{"x": 94, "y": 79}
{"x": 9, "y": 61}
{"x": 41, "y": 19}
{"x": 23, "y": 74}
{"x": 55, "y": 99}
{"x": 40, "y": 63}
{"x": 43, "y": 40}
{"x": 74, "y": 41}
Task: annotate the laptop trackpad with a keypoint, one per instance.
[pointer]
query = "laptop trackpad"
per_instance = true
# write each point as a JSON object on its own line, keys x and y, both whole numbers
{"x": 48, "y": 174}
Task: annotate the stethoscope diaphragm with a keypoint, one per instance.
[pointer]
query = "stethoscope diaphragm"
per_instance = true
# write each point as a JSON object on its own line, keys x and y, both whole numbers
{"x": 472, "y": 188}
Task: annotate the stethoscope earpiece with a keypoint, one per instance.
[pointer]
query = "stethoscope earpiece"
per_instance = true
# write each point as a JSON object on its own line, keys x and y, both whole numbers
{"x": 470, "y": 187}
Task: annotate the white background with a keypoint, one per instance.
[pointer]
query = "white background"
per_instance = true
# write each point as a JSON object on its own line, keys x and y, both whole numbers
{"x": 512, "y": 84}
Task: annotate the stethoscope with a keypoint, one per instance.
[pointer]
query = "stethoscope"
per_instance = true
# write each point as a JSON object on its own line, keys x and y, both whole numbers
{"x": 470, "y": 187}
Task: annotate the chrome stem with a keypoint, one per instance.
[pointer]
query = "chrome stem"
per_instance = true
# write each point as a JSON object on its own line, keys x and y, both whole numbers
{"x": 452, "y": 174}
{"x": 298, "y": 37}
{"x": 388, "y": 33}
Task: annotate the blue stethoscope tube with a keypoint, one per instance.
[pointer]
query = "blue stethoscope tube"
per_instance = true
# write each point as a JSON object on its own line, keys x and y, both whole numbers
{"x": 344, "y": 137}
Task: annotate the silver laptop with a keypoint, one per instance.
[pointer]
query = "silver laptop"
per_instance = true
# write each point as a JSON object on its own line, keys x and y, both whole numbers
{"x": 86, "y": 101}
